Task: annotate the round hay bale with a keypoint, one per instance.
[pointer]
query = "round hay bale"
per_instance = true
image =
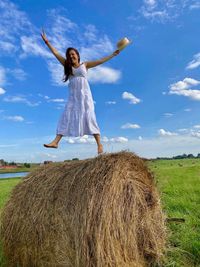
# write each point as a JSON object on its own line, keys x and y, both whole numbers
{"x": 100, "y": 212}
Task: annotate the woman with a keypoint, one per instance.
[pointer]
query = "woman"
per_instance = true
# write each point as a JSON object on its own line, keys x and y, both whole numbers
{"x": 79, "y": 117}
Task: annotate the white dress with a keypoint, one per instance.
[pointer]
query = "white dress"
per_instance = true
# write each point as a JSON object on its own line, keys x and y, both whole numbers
{"x": 78, "y": 118}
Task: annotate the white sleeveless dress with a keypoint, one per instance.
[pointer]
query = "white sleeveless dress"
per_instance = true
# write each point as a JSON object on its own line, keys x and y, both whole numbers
{"x": 79, "y": 117}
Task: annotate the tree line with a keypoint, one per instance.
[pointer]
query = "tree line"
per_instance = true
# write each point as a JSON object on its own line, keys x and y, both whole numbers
{"x": 12, "y": 163}
{"x": 183, "y": 156}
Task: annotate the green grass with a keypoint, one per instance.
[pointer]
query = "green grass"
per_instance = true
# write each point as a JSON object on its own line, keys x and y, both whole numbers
{"x": 179, "y": 184}
{"x": 6, "y": 185}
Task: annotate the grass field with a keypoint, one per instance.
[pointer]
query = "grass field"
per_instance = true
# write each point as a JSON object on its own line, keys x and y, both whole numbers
{"x": 6, "y": 185}
{"x": 179, "y": 185}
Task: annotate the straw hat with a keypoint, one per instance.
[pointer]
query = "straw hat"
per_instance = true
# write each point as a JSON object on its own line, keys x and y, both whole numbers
{"x": 121, "y": 44}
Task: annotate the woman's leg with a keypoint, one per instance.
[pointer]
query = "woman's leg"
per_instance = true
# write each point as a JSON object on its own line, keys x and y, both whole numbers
{"x": 54, "y": 143}
{"x": 99, "y": 145}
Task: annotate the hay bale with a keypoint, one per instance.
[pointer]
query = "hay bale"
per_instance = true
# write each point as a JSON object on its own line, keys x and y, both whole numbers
{"x": 100, "y": 212}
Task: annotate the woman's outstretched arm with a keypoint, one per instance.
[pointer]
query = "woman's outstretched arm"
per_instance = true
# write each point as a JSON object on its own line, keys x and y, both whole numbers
{"x": 53, "y": 50}
{"x": 92, "y": 64}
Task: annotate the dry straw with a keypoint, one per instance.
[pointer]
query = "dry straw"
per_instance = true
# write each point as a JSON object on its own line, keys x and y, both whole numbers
{"x": 100, "y": 212}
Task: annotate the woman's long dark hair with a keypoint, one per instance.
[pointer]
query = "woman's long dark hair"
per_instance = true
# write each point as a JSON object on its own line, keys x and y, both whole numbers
{"x": 68, "y": 63}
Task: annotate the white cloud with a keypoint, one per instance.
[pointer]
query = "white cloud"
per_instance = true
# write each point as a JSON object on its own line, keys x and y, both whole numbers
{"x": 168, "y": 114}
{"x": 104, "y": 139}
{"x": 7, "y": 47}
{"x": 156, "y": 11}
{"x": 196, "y": 134}
{"x": 103, "y": 75}
{"x": 2, "y": 91}
{"x": 119, "y": 139}
{"x": 30, "y": 122}
{"x": 196, "y": 126}
{"x": 150, "y": 3}
{"x": 97, "y": 48}
{"x": 195, "y": 5}
{"x": 80, "y": 140}
{"x": 7, "y": 146}
{"x": 91, "y": 33}
{"x": 14, "y": 118}
{"x": 32, "y": 45}
{"x": 187, "y": 109}
{"x": 60, "y": 106}
{"x": 183, "y": 130}
{"x": 52, "y": 156}
{"x": 90, "y": 140}
{"x": 162, "y": 11}
{"x": 185, "y": 84}
{"x": 44, "y": 96}
{"x": 20, "y": 99}
{"x": 56, "y": 100}
{"x": 2, "y": 76}
{"x": 156, "y": 15}
{"x": 193, "y": 94}
{"x": 130, "y": 126}
{"x": 13, "y": 23}
{"x": 131, "y": 97}
{"x": 70, "y": 141}
{"x": 110, "y": 102}
{"x": 57, "y": 72}
{"x": 162, "y": 132}
{"x": 19, "y": 74}
{"x": 195, "y": 63}
{"x": 59, "y": 35}
{"x": 140, "y": 138}
{"x": 182, "y": 88}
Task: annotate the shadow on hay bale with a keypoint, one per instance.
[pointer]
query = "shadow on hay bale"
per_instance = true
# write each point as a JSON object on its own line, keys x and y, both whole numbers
{"x": 100, "y": 212}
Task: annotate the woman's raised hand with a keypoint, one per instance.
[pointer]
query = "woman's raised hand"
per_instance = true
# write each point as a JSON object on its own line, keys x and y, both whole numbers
{"x": 43, "y": 35}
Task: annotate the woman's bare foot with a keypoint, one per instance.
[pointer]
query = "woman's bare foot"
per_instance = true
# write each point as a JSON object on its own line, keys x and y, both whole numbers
{"x": 51, "y": 145}
{"x": 100, "y": 149}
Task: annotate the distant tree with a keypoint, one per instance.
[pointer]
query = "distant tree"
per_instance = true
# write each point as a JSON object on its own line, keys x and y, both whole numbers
{"x": 12, "y": 163}
{"x": 178, "y": 157}
{"x": 184, "y": 156}
{"x": 27, "y": 165}
{"x": 198, "y": 155}
{"x": 75, "y": 159}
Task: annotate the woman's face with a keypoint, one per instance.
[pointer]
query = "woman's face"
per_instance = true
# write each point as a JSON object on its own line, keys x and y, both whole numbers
{"x": 73, "y": 56}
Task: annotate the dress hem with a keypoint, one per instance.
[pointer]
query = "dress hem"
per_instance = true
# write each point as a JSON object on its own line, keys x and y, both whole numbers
{"x": 66, "y": 135}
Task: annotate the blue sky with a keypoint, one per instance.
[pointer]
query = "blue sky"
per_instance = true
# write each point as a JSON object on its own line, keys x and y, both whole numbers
{"x": 147, "y": 99}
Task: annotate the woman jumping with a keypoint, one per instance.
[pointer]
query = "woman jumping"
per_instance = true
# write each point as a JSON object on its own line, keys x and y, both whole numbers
{"x": 79, "y": 117}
